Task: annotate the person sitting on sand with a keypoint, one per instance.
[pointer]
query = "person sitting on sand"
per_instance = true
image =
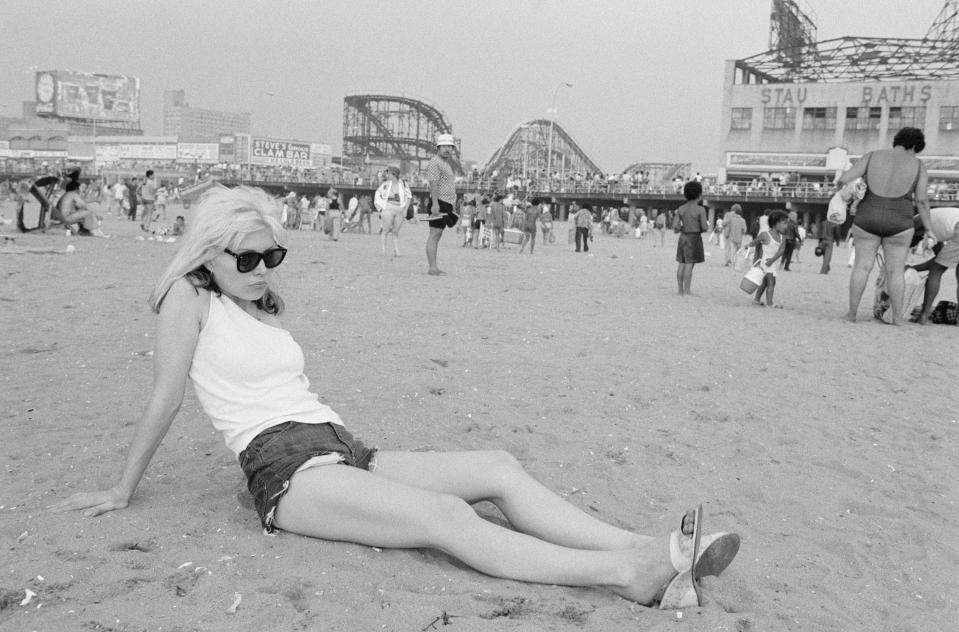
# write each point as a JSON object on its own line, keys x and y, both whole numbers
{"x": 945, "y": 225}
{"x": 308, "y": 475}
{"x": 71, "y": 211}
{"x": 179, "y": 226}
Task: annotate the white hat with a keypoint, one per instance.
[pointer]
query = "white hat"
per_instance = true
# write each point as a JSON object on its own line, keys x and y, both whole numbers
{"x": 445, "y": 139}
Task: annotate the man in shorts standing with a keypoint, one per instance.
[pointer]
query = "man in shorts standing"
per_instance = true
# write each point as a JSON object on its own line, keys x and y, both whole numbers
{"x": 439, "y": 173}
{"x": 690, "y": 222}
{"x": 148, "y": 196}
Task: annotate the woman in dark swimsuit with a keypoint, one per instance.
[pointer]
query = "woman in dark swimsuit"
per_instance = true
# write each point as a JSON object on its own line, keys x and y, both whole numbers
{"x": 897, "y": 183}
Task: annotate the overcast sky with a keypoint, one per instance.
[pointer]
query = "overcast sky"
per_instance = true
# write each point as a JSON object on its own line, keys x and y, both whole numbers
{"x": 647, "y": 74}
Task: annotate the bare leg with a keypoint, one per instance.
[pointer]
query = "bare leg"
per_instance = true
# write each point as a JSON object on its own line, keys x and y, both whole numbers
{"x": 759, "y": 292}
{"x": 866, "y": 245}
{"x": 395, "y": 231}
{"x": 896, "y": 249}
{"x": 343, "y": 503}
{"x": 931, "y": 291}
{"x": 432, "y": 244}
{"x": 688, "y": 278}
{"x": 680, "y": 274}
{"x": 498, "y": 477}
{"x": 770, "y": 289}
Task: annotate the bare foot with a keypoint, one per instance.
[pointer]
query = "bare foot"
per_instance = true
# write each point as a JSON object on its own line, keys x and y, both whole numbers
{"x": 849, "y": 318}
{"x": 436, "y": 272}
{"x": 649, "y": 570}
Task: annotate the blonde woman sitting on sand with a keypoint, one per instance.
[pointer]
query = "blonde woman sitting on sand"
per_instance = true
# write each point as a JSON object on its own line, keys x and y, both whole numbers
{"x": 308, "y": 475}
{"x": 391, "y": 200}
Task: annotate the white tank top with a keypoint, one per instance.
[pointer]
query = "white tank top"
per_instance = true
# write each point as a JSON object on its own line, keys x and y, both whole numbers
{"x": 249, "y": 376}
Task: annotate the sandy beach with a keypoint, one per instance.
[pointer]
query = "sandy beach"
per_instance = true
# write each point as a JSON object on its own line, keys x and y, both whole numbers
{"x": 830, "y": 447}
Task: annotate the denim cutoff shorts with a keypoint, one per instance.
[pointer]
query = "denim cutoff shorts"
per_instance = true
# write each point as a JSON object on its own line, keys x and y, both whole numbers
{"x": 274, "y": 455}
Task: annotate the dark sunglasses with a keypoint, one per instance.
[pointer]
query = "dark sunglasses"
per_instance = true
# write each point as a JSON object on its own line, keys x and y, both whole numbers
{"x": 247, "y": 261}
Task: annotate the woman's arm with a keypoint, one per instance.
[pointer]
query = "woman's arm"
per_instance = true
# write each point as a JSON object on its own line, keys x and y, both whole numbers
{"x": 178, "y": 328}
{"x": 379, "y": 198}
{"x": 779, "y": 252}
{"x": 858, "y": 170}
{"x": 921, "y": 196}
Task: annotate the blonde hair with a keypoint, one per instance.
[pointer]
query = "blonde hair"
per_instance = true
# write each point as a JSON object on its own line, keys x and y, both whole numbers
{"x": 223, "y": 218}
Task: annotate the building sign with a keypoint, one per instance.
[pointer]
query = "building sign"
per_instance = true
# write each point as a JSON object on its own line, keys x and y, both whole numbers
{"x": 228, "y": 149}
{"x": 208, "y": 153}
{"x": 83, "y": 95}
{"x": 941, "y": 165}
{"x": 108, "y": 153}
{"x": 278, "y": 153}
{"x": 775, "y": 162}
{"x": 321, "y": 155}
{"x": 896, "y": 95}
{"x": 52, "y": 154}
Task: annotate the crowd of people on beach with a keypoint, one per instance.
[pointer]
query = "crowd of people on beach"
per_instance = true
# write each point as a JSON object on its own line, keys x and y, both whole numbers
{"x": 497, "y": 219}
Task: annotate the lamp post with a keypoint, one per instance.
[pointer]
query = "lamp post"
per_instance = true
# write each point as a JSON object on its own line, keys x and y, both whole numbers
{"x": 549, "y": 149}
{"x": 249, "y": 149}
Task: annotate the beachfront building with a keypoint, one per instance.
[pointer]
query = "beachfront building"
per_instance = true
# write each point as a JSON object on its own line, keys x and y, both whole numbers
{"x": 181, "y": 119}
{"x": 795, "y": 114}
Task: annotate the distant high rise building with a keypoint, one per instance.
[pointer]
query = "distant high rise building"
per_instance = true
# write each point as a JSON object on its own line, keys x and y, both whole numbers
{"x": 179, "y": 119}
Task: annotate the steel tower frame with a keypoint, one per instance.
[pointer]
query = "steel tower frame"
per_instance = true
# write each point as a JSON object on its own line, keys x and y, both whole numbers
{"x": 526, "y": 151}
{"x": 936, "y": 56}
{"x": 386, "y": 128}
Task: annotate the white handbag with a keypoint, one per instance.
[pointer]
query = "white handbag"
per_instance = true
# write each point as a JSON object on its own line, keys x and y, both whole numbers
{"x": 836, "y": 213}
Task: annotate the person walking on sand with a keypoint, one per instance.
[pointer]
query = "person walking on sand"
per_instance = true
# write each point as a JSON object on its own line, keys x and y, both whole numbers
{"x": 439, "y": 174}
{"x": 791, "y": 235}
{"x": 690, "y": 222}
{"x": 148, "y": 196}
{"x": 771, "y": 246}
{"x": 218, "y": 325}
{"x": 546, "y": 222}
{"x": 120, "y": 198}
{"x": 734, "y": 227}
{"x": 334, "y": 215}
{"x": 660, "y": 224}
{"x": 497, "y": 214}
{"x": 392, "y": 199}
{"x": 530, "y": 221}
{"x": 583, "y": 221}
{"x": 828, "y": 239}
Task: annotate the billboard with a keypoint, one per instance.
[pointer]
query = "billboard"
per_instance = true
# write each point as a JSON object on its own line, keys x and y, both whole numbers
{"x": 84, "y": 95}
{"x": 321, "y": 155}
{"x": 279, "y": 153}
{"x": 228, "y": 149}
{"x": 114, "y": 152}
{"x": 206, "y": 153}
